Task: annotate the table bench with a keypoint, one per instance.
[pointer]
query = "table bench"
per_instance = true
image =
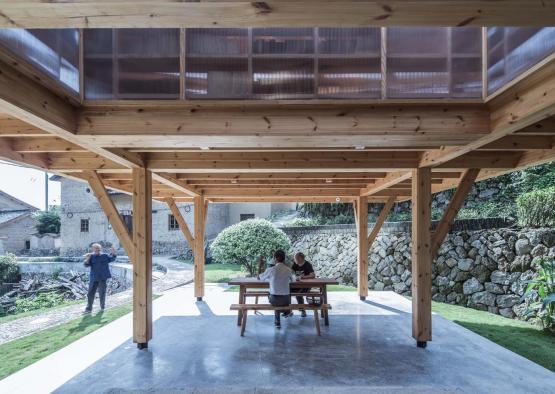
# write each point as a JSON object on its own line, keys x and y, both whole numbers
{"x": 244, "y": 309}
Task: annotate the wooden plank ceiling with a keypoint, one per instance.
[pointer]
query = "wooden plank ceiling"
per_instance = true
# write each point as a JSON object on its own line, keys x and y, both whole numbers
{"x": 329, "y": 150}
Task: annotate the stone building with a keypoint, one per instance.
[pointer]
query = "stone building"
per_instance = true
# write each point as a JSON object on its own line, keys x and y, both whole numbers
{"x": 17, "y": 224}
{"x": 84, "y": 222}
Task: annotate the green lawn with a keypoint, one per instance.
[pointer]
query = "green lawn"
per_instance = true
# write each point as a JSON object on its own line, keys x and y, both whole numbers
{"x": 220, "y": 273}
{"x": 523, "y": 338}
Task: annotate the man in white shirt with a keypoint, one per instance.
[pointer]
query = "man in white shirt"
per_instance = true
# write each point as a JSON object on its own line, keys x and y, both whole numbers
{"x": 279, "y": 276}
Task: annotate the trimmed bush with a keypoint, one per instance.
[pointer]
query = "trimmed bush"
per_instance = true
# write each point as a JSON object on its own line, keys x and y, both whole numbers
{"x": 244, "y": 243}
{"x": 8, "y": 268}
{"x": 537, "y": 208}
{"x": 48, "y": 222}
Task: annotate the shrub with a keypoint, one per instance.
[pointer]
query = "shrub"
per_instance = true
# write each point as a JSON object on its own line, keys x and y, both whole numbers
{"x": 244, "y": 242}
{"x": 41, "y": 300}
{"x": 8, "y": 268}
{"x": 537, "y": 208}
{"x": 542, "y": 288}
{"x": 48, "y": 222}
{"x": 304, "y": 222}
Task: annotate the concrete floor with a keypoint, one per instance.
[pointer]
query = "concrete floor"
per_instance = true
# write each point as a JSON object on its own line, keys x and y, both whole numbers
{"x": 367, "y": 348}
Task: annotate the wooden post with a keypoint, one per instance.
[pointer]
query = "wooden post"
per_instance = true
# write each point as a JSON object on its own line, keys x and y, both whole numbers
{"x": 142, "y": 258}
{"x": 199, "y": 247}
{"x": 421, "y": 256}
{"x": 465, "y": 185}
{"x": 362, "y": 220}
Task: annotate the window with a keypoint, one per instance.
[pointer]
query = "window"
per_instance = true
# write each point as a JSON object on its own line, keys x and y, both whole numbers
{"x": 172, "y": 223}
{"x": 28, "y": 245}
{"x": 84, "y": 225}
{"x": 246, "y": 216}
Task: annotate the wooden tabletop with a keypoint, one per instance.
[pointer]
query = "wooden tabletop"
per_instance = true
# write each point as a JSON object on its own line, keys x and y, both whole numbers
{"x": 299, "y": 283}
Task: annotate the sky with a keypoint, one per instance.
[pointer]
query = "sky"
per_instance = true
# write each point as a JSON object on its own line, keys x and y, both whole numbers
{"x": 27, "y": 184}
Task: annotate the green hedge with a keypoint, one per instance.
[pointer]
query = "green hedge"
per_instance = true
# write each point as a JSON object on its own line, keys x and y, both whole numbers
{"x": 537, "y": 208}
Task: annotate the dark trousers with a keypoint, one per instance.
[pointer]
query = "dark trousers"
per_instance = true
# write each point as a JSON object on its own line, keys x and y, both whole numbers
{"x": 279, "y": 300}
{"x": 101, "y": 286}
{"x": 300, "y": 299}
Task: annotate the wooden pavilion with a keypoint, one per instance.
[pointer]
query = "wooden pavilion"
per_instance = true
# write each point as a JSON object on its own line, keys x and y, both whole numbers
{"x": 322, "y": 120}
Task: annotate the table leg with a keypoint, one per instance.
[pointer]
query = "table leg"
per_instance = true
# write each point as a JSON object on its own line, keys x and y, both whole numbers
{"x": 241, "y": 301}
{"x": 326, "y": 315}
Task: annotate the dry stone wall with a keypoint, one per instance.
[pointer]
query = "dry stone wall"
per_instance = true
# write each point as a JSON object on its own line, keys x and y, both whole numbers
{"x": 484, "y": 269}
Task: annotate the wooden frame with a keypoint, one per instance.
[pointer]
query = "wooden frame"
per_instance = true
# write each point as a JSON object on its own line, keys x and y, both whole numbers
{"x": 362, "y": 260}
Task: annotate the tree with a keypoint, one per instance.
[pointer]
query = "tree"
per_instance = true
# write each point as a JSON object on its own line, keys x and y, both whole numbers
{"x": 8, "y": 268}
{"x": 48, "y": 221}
{"x": 244, "y": 243}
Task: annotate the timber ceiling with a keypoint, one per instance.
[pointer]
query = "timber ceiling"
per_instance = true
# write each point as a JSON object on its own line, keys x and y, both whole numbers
{"x": 276, "y": 150}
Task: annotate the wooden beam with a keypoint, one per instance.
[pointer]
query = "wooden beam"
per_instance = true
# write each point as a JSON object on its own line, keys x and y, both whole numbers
{"x": 257, "y": 191}
{"x": 27, "y": 100}
{"x": 300, "y": 13}
{"x": 8, "y": 153}
{"x": 380, "y": 221}
{"x": 199, "y": 266}
{"x": 521, "y": 142}
{"x": 171, "y": 180}
{"x": 110, "y": 210}
{"x": 44, "y": 145}
{"x": 285, "y": 126}
{"x": 524, "y": 104}
{"x": 448, "y": 218}
{"x": 181, "y": 221}
{"x": 421, "y": 256}
{"x": 80, "y": 161}
{"x": 142, "y": 258}
{"x": 13, "y": 127}
{"x": 313, "y": 199}
{"x": 389, "y": 180}
{"x": 362, "y": 260}
{"x": 238, "y": 176}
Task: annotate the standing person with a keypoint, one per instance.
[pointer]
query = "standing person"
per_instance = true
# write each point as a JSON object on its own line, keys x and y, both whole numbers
{"x": 303, "y": 269}
{"x": 279, "y": 276}
{"x": 100, "y": 272}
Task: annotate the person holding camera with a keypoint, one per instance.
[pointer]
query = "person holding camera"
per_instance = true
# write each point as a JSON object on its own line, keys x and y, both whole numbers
{"x": 100, "y": 273}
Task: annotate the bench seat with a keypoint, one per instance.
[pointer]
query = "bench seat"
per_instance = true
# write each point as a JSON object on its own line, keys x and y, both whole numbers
{"x": 267, "y": 307}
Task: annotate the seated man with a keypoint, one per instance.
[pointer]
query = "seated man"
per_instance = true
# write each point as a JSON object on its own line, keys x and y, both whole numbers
{"x": 279, "y": 276}
{"x": 303, "y": 269}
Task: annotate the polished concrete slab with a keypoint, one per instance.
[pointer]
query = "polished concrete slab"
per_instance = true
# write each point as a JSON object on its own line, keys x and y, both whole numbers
{"x": 367, "y": 348}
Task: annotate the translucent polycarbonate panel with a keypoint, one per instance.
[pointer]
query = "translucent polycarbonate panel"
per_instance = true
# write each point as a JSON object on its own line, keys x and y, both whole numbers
{"x": 217, "y": 42}
{"x": 277, "y": 78}
{"x": 283, "y": 41}
{"x": 349, "y": 77}
{"x": 53, "y": 51}
{"x": 222, "y": 78}
{"x": 433, "y": 62}
{"x": 132, "y": 63}
{"x": 356, "y": 41}
{"x": 513, "y": 50}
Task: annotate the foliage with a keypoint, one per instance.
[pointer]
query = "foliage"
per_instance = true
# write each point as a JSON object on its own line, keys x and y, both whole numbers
{"x": 8, "y": 268}
{"x": 48, "y": 221}
{"x": 537, "y": 208}
{"x": 304, "y": 222}
{"x": 542, "y": 289}
{"x": 243, "y": 243}
{"x": 40, "y": 301}
{"x": 486, "y": 210}
{"x": 523, "y": 338}
{"x": 326, "y": 210}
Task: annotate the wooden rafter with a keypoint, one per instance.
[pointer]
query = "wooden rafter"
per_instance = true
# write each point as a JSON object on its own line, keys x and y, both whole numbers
{"x": 172, "y": 181}
{"x": 300, "y": 13}
{"x": 465, "y": 185}
{"x": 390, "y": 180}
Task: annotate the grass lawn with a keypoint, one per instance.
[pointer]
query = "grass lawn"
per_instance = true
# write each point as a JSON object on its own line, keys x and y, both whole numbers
{"x": 220, "y": 273}
{"x": 520, "y": 337}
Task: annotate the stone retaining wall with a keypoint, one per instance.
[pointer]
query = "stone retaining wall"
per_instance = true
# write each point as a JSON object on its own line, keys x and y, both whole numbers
{"x": 485, "y": 269}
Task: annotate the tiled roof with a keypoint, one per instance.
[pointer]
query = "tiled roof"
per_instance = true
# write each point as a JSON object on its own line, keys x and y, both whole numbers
{"x": 7, "y": 216}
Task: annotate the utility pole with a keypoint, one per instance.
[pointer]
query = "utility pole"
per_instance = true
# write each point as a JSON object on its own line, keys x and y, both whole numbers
{"x": 46, "y": 191}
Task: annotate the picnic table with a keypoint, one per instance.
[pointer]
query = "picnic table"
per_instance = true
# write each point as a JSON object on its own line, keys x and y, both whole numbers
{"x": 253, "y": 283}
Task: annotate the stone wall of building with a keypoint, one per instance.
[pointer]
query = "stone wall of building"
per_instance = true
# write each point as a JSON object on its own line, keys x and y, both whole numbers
{"x": 481, "y": 268}
{"x": 16, "y": 233}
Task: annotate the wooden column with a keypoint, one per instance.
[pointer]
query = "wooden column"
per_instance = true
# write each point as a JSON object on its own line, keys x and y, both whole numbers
{"x": 362, "y": 229}
{"x": 200, "y": 220}
{"x": 142, "y": 258}
{"x": 421, "y": 256}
